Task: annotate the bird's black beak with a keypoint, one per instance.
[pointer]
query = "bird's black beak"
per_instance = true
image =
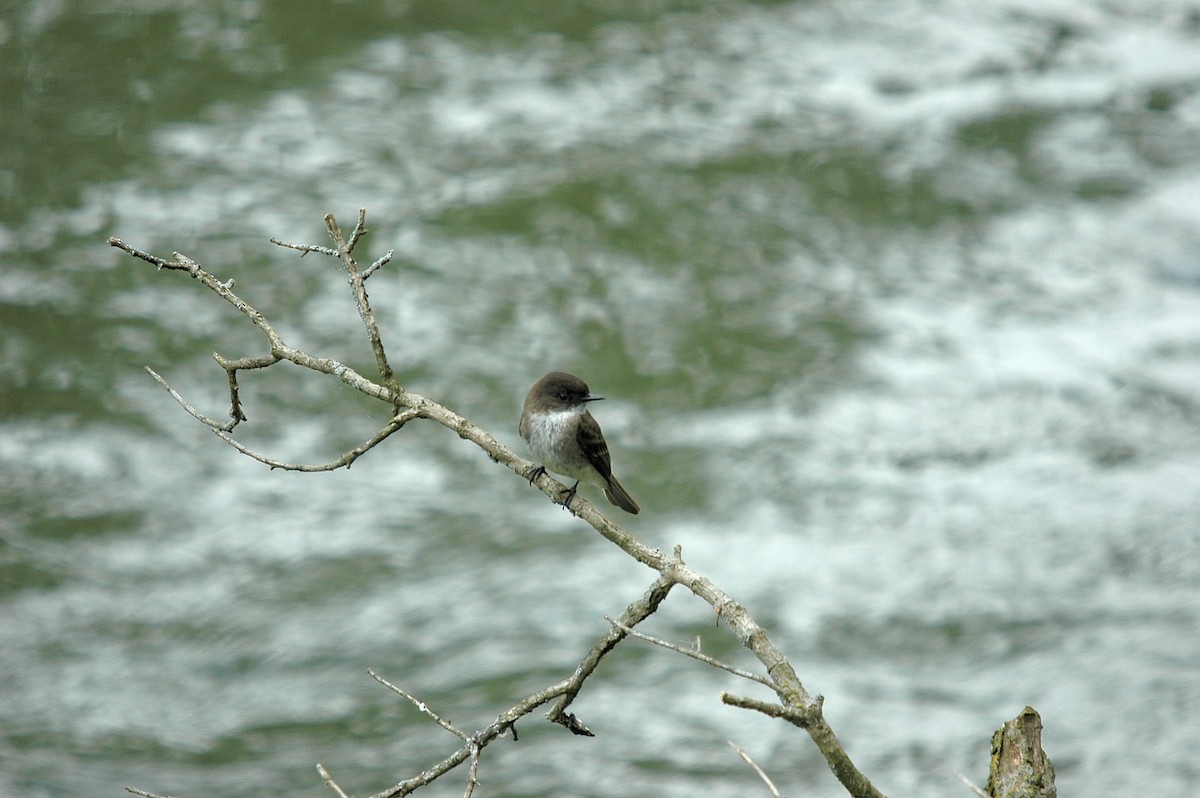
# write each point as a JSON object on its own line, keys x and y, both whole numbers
{"x": 590, "y": 398}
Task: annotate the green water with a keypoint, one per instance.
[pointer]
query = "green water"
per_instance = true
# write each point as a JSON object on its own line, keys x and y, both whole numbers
{"x": 895, "y": 306}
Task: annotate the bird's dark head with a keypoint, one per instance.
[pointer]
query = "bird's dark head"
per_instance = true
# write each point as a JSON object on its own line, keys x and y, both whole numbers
{"x": 558, "y": 391}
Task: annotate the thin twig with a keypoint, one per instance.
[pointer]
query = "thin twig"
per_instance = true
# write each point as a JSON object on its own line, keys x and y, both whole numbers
{"x": 137, "y": 253}
{"x": 360, "y": 229}
{"x": 801, "y": 717}
{"x": 223, "y": 432}
{"x": 304, "y": 249}
{"x": 246, "y": 363}
{"x": 421, "y": 705}
{"x": 971, "y": 785}
{"x": 635, "y": 613}
{"x": 345, "y": 461}
{"x": 694, "y": 654}
{"x": 231, "y": 369}
{"x": 473, "y": 770}
{"x": 358, "y": 288}
{"x": 145, "y": 794}
{"x": 565, "y": 691}
{"x": 191, "y": 411}
{"x": 221, "y": 289}
{"x": 481, "y": 738}
{"x": 383, "y": 261}
{"x": 333, "y": 785}
{"x": 761, "y": 774}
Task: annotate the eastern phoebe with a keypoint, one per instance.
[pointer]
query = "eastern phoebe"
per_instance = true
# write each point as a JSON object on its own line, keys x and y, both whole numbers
{"x": 563, "y": 435}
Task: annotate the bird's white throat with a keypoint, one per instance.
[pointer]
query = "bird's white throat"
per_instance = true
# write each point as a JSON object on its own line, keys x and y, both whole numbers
{"x": 549, "y": 436}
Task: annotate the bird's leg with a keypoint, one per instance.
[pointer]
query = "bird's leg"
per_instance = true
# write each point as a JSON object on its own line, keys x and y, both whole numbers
{"x": 570, "y": 495}
{"x": 535, "y": 473}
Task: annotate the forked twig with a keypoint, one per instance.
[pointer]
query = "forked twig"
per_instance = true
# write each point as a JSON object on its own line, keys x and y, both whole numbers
{"x": 565, "y": 691}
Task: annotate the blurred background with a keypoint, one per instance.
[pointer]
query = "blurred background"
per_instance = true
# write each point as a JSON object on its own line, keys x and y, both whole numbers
{"x": 897, "y": 307}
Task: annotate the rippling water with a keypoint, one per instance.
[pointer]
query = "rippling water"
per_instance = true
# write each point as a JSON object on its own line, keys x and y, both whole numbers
{"x": 897, "y": 307}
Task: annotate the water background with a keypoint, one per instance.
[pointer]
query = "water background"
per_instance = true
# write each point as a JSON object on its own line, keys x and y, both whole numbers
{"x": 897, "y": 306}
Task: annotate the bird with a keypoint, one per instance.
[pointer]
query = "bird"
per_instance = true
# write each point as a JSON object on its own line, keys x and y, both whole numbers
{"x": 562, "y": 434}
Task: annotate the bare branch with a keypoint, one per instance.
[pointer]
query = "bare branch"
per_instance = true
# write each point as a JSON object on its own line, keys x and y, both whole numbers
{"x": 565, "y": 691}
{"x": 473, "y": 770}
{"x": 279, "y": 350}
{"x": 802, "y": 717}
{"x": 358, "y": 288}
{"x": 223, "y": 432}
{"x": 476, "y": 742}
{"x": 245, "y": 363}
{"x": 398, "y": 397}
{"x": 383, "y": 261}
{"x": 797, "y": 705}
{"x": 145, "y": 794}
{"x": 146, "y": 256}
{"x": 761, "y": 774}
{"x": 635, "y": 613}
{"x": 694, "y": 654}
{"x": 304, "y": 249}
{"x": 333, "y": 785}
{"x": 360, "y": 228}
{"x": 345, "y": 461}
{"x": 421, "y": 705}
{"x": 193, "y": 412}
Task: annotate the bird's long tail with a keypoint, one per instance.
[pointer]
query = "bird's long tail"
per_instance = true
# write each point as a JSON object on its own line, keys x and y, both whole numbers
{"x": 617, "y": 494}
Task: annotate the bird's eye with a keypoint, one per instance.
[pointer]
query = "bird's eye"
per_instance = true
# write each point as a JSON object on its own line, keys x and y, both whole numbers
{"x": 563, "y": 395}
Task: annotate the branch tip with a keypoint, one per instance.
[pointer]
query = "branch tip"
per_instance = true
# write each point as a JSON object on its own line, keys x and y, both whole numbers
{"x": 761, "y": 774}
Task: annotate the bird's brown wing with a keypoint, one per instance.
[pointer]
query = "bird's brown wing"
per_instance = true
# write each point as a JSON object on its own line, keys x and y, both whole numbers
{"x": 591, "y": 442}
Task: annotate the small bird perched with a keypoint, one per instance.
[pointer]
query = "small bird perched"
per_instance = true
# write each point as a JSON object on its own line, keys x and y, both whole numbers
{"x": 563, "y": 435}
